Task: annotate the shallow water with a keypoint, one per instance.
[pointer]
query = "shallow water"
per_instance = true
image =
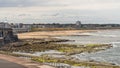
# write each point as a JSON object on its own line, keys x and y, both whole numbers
{"x": 40, "y": 53}
{"x": 106, "y": 36}
{"x": 111, "y": 55}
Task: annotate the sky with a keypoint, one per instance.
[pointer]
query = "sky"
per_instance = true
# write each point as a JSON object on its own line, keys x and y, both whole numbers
{"x": 60, "y": 11}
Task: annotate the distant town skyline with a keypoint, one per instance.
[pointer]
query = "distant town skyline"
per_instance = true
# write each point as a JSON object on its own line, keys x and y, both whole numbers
{"x": 60, "y": 11}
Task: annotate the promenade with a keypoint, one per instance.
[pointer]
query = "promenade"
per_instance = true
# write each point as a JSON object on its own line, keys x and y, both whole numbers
{"x": 7, "y": 61}
{"x": 7, "y": 64}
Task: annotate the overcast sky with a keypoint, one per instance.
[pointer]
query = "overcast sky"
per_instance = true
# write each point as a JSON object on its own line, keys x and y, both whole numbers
{"x": 60, "y": 11}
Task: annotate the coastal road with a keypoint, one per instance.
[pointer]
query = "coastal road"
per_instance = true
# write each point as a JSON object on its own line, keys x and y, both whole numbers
{"x": 7, "y": 64}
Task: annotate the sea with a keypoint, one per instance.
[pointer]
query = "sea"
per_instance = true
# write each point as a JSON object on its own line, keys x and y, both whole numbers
{"x": 112, "y": 37}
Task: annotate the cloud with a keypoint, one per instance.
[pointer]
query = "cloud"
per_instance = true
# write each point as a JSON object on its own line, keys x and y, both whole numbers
{"x": 23, "y": 15}
{"x": 66, "y": 4}
{"x": 29, "y": 3}
{"x": 13, "y": 3}
{"x": 57, "y": 10}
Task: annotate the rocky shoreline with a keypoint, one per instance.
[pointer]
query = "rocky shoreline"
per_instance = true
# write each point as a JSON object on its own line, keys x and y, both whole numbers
{"x": 28, "y": 46}
{"x": 41, "y": 45}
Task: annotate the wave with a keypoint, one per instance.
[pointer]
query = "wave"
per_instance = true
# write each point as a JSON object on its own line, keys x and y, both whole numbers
{"x": 115, "y": 44}
{"x": 94, "y": 34}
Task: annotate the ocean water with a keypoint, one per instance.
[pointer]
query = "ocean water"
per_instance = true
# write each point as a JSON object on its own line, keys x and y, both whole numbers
{"x": 103, "y": 36}
{"x": 111, "y": 55}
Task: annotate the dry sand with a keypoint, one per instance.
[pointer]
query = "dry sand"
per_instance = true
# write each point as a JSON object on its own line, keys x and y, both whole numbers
{"x": 48, "y": 34}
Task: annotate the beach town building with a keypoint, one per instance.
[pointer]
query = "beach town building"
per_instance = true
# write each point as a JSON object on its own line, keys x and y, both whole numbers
{"x": 6, "y": 33}
{"x": 19, "y": 28}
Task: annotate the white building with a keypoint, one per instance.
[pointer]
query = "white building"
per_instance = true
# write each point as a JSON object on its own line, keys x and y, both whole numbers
{"x": 5, "y": 25}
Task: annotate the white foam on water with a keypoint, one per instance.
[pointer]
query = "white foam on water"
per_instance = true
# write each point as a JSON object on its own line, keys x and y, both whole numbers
{"x": 115, "y": 44}
{"x": 105, "y": 35}
{"x": 39, "y": 53}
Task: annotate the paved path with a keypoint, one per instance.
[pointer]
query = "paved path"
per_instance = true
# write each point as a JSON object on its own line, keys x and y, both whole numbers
{"x": 7, "y": 64}
{"x": 7, "y": 61}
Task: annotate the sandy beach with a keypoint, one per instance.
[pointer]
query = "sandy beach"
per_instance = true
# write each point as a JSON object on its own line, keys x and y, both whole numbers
{"x": 48, "y": 34}
{"x": 38, "y": 35}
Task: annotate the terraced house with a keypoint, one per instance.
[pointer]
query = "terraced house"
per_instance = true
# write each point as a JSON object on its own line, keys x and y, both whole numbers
{"x": 6, "y": 34}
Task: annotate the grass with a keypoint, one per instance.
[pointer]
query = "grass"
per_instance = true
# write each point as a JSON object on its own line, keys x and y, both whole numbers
{"x": 91, "y": 45}
{"x": 42, "y": 45}
{"x": 51, "y": 29}
{"x": 69, "y": 61}
{"x": 74, "y": 49}
{"x": 74, "y": 63}
{"x": 67, "y": 49}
